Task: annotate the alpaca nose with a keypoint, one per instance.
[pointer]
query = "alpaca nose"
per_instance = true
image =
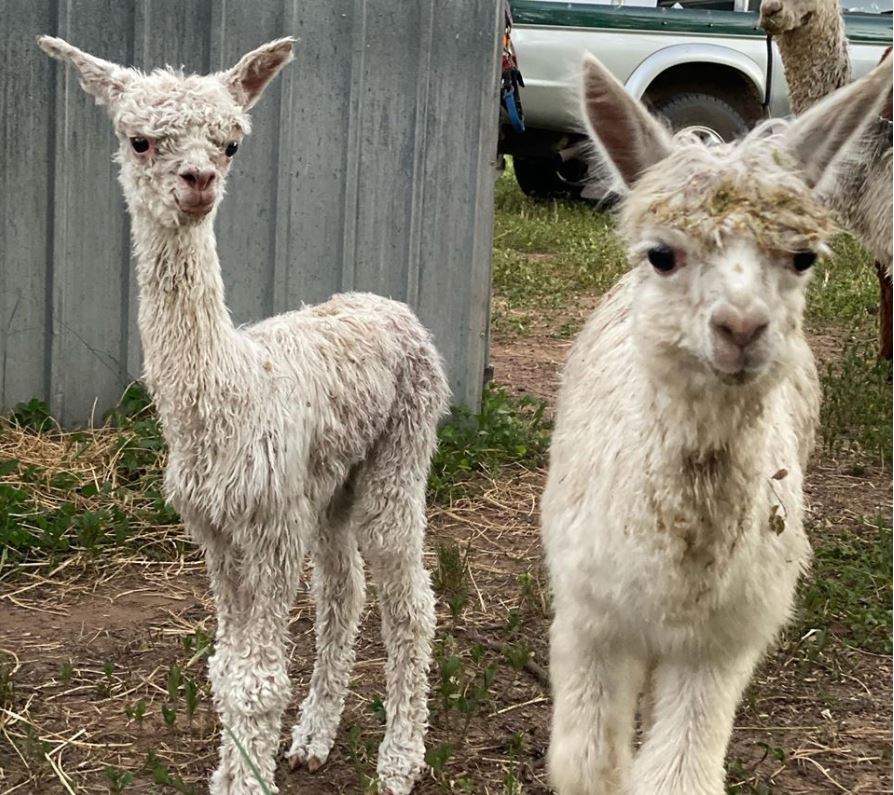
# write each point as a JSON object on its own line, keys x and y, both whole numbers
{"x": 770, "y": 8}
{"x": 199, "y": 180}
{"x": 739, "y": 328}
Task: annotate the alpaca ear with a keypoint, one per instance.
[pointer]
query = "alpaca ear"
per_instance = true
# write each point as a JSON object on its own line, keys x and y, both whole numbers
{"x": 102, "y": 79}
{"x": 630, "y": 139}
{"x": 817, "y": 137}
{"x": 247, "y": 80}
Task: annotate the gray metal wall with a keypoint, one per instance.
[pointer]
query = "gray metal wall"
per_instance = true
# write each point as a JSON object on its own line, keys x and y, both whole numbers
{"x": 369, "y": 168}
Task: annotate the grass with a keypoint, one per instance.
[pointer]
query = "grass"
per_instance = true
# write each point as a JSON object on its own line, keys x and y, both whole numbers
{"x": 545, "y": 254}
{"x": 848, "y": 593}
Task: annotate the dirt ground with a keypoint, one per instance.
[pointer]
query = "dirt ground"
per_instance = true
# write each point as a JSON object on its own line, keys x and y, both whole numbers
{"x": 94, "y": 640}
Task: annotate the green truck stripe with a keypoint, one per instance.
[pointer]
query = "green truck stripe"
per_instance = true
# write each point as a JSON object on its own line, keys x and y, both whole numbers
{"x": 863, "y": 28}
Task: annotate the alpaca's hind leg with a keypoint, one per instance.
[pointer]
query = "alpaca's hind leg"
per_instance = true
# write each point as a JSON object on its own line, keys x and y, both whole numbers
{"x": 391, "y": 526}
{"x": 248, "y": 670}
{"x": 595, "y": 688}
{"x": 339, "y": 590}
{"x": 694, "y": 705}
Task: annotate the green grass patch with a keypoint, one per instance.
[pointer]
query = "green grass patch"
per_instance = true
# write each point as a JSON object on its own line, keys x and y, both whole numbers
{"x": 546, "y": 253}
{"x": 855, "y": 416}
{"x": 844, "y": 288}
{"x": 507, "y": 430}
{"x": 848, "y": 592}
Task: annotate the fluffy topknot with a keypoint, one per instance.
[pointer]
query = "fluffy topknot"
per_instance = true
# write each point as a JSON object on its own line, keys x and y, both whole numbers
{"x": 751, "y": 188}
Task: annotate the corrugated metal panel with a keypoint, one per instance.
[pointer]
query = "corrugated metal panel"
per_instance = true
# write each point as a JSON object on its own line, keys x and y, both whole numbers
{"x": 370, "y": 167}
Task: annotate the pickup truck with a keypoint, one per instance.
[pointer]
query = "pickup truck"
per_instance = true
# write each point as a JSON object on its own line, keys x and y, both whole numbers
{"x": 698, "y": 63}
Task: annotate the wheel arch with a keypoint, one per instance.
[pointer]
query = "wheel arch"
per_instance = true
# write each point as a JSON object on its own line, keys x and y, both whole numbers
{"x": 701, "y": 68}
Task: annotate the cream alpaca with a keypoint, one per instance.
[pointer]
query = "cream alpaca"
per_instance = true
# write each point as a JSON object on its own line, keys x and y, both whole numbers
{"x": 672, "y": 516}
{"x": 312, "y": 431}
{"x": 811, "y": 38}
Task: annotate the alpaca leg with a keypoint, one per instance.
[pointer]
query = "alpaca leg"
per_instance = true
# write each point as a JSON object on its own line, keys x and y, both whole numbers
{"x": 339, "y": 591}
{"x": 248, "y": 671}
{"x": 594, "y": 707}
{"x": 391, "y": 536}
{"x": 885, "y": 312}
{"x": 694, "y": 704}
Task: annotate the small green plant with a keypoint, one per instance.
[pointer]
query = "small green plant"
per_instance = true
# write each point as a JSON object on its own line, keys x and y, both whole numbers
{"x": 436, "y": 758}
{"x": 363, "y": 753}
{"x": 511, "y": 783}
{"x": 450, "y": 577}
{"x": 119, "y": 780}
{"x": 7, "y": 684}
{"x": 191, "y": 697}
{"x": 104, "y": 688}
{"x": 67, "y": 672}
{"x": 198, "y": 644}
{"x": 136, "y": 712}
{"x": 377, "y": 707}
{"x": 507, "y": 430}
{"x": 169, "y": 714}
{"x": 33, "y": 416}
{"x": 164, "y": 778}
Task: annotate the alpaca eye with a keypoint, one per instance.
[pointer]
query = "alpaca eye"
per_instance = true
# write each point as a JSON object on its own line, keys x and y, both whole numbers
{"x": 140, "y": 145}
{"x": 231, "y": 149}
{"x": 803, "y": 260}
{"x": 662, "y": 258}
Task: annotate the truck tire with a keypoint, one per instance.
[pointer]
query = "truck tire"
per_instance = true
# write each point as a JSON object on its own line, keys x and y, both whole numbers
{"x": 703, "y": 110}
{"x": 539, "y": 178}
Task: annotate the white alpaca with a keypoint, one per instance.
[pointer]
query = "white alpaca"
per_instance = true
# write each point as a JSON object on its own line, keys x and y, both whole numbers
{"x": 311, "y": 430}
{"x": 672, "y": 516}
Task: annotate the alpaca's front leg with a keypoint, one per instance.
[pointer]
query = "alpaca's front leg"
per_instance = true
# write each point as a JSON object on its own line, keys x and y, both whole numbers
{"x": 693, "y": 706}
{"x": 339, "y": 592}
{"x": 248, "y": 671}
{"x": 595, "y": 687}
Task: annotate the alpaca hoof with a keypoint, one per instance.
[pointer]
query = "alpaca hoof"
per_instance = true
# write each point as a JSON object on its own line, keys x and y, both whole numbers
{"x": 313, "y": 764}
{"x": 309, "y": 749}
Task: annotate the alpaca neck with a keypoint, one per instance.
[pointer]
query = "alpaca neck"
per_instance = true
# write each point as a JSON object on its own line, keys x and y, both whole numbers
{"x": 184, "y": 323}
{"x": 693, "y": 414}
{"x": 815, "y": 59}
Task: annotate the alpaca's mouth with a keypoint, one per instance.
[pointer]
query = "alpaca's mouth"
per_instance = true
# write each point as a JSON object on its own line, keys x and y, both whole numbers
{"x": 197, "y": 207}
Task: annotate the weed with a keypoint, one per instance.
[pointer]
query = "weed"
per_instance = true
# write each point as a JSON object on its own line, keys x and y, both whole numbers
{"x": 514, "y": 747}
{"x": 507, "y": 430}
{"x": 164, "y": 778}
{"x": 169, "y": 714}
{"x": 377, "y": 707}
{"x": 363, "y": 752}
{"x": 849, "y": 589}
{"x": 191, "y": 697}
{"x": 857, "y": 404}
{"x": 104, "y": 688}
{"x": 119, "y": 780}
{"x": 7, "y": 684}
{"x": 449, "y": 578}
{"x": 137, "y": 712}
{"x": 437, "y": 758}
{"x": 33, "y": 416}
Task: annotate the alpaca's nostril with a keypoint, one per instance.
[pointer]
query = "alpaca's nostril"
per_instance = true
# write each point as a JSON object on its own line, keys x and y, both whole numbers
{"x": 741, "y": 334}
{"x": 770, "y": 8}
{"x": 200, "y": 180}
{"x": 739, "y": 328}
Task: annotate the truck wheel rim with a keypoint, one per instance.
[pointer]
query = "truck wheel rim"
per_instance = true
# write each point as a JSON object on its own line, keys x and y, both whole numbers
{"x": 705, "y": 134}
